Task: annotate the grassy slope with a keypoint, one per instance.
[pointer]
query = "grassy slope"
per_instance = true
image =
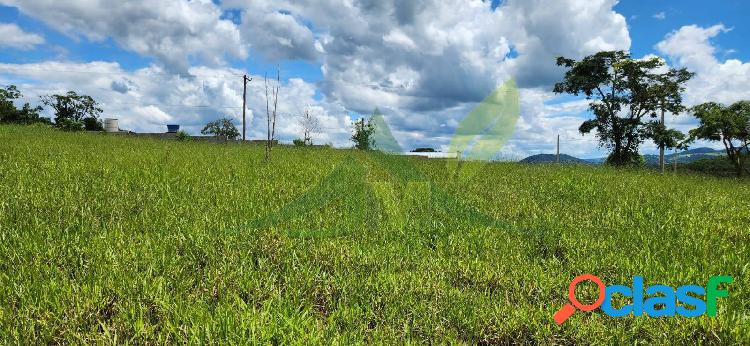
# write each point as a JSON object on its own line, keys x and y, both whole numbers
{"x": 104, "y": 237}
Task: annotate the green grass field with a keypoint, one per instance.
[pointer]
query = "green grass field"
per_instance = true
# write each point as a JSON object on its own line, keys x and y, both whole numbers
{"x": 119, "y": 239}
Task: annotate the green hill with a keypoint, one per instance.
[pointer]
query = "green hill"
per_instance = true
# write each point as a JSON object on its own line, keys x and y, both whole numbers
{"x": 686, "y": 156}
{"x": 552, "y": 158}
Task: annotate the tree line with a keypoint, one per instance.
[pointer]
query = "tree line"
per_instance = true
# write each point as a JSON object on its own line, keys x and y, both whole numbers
{"x": 73, "y": 112}
{"x": 629, "y": 100}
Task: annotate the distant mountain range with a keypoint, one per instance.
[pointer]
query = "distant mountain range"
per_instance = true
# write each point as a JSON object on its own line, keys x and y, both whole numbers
{"x": 687, "y": 156}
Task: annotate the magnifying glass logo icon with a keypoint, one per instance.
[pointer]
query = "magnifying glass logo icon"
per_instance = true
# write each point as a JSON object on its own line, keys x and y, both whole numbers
{"x": 566, "y": 311}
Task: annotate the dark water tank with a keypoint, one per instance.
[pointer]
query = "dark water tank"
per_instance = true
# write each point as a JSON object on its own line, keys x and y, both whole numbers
{"x": 173, "y": 128}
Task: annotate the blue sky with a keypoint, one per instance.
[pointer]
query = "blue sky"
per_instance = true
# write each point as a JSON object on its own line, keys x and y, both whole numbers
{"x": 646, "y": 30}
{"x": 424, "y": 63}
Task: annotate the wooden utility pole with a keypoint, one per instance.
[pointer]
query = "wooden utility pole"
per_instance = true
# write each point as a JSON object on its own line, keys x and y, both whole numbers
{"x": 558, "y": 148}
{"x": 245, "y": 79}
{"x": 674, "y": 159}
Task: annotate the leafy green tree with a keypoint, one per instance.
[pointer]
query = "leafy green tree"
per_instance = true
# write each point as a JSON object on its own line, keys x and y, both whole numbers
{"x": 624, "y": 91}
{"x": 664, "y": 137}
{"x": 667, "y": 88}
{"x": 9, "y": 114}
{"x": 363, "y": 131}
{"x": 72, "y": 110}
{"x": 730, "y": 125}
{"x": 222, "y": 128}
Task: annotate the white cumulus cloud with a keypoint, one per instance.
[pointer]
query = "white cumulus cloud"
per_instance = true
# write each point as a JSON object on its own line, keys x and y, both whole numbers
{"x": 11, "y": 36}
{"x": 691, "y": 47}
{"x": 171, "y": 31}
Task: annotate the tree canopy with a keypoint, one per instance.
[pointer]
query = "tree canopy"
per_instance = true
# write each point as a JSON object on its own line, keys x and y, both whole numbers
{"x": 729, "y": 125}
{"x": 624, "y": 91}
{"x": 73, "y": 110}
{"x": 363, "y": 134}
{"x": 222, "y": 128}
{"x": 10, "y": 114}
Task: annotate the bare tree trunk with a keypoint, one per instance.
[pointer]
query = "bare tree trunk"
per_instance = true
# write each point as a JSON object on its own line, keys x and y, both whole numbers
{"x": 662, "y": 162}
{"x": 310, "y": 124}
{"x": 740, "y": 164}
{"x": 305, "y": 129}
{"x": 275, "y": 108}
{"x": 268, "y": 120}
{"x": 271, "y": 114}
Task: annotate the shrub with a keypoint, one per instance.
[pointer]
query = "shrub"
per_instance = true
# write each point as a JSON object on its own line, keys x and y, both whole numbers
{"x": 299, "y": 142}
{"x": 719, "y": 166}
{"x": 68, "y": 124}
{"x": 182, "y": 136}
{"x": 626, "y": 158}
